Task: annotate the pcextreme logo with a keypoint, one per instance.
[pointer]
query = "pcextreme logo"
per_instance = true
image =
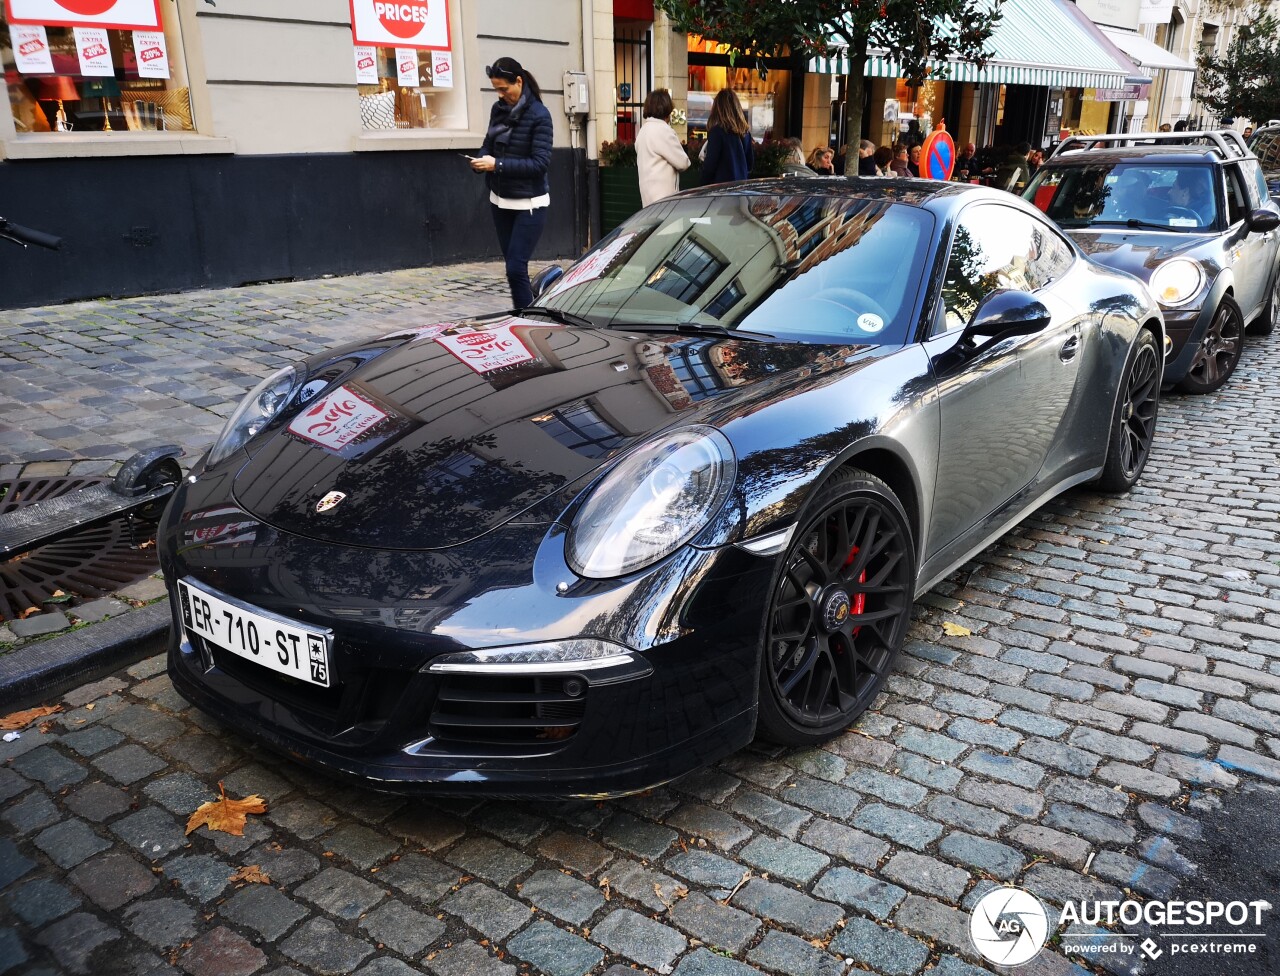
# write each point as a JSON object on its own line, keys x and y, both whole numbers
{"x": 1010, "y": 926}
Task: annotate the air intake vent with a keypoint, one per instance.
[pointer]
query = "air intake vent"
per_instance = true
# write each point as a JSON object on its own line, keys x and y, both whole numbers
{"x": 504, "y": 709}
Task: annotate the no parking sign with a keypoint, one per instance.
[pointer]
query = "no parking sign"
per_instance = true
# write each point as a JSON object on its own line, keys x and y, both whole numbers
{"x": 937, "y": 156}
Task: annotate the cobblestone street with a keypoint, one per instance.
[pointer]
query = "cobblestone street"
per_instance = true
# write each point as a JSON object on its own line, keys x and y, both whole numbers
{"x": 1075, "y": 711}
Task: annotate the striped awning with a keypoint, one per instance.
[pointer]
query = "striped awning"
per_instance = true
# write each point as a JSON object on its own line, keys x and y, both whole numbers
{"x": 1035, "y": 42}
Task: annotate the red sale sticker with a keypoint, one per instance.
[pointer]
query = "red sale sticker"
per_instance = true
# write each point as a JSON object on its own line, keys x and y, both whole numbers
{"x": 338, "y": 419}
{"x": 401, "y": 23}
{"x": 487, "y": 349}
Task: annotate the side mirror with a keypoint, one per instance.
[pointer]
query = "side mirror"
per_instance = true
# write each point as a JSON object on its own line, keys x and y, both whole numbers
{"x": 545, "y": 278}
{"x": 1008, "y": 312}
{"x": 1260, "y": 221}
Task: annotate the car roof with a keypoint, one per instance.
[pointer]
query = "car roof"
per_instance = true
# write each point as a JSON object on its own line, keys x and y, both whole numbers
{"x": 912, "y": 191}
{"x": 1156, "y": 156}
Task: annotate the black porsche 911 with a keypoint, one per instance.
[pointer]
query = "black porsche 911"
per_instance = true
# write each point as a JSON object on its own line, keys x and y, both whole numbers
{"x": 686, "y": 498}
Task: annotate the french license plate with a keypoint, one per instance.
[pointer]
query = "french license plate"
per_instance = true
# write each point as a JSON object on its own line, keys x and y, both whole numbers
{"x": 263, "y": 638}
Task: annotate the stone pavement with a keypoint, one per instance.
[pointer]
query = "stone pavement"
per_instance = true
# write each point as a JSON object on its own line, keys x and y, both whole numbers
{"x": 1116, "y": 692}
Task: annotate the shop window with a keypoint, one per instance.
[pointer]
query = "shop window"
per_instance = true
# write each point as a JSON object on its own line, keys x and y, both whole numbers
{"x": 409, "y": 88}
{"x": 95, "y": 79}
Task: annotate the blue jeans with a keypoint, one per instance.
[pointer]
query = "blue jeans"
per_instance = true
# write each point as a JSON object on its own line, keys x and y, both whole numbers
{"x": 518, "y": 233}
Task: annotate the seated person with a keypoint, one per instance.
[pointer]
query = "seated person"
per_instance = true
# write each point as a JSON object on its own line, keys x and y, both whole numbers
{"x": 1191, "y": 194}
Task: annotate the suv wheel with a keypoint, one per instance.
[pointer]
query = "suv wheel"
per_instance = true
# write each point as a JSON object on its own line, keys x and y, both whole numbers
{"x": 1219, "y": 352}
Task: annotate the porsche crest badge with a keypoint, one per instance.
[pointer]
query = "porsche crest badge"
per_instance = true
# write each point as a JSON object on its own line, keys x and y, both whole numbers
{"x": 331, "y": 500}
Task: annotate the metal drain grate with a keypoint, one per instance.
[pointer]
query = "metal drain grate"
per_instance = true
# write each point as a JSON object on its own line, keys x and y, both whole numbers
{"x": 88, "y": 564}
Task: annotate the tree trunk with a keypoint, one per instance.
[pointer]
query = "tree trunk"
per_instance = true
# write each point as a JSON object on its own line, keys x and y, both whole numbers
{"x": 854, "y": 96}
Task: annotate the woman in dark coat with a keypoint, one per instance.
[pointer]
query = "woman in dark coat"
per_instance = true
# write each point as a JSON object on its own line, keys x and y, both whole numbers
{"x": 516, "y": 157}
{"x": 730, "y": 151}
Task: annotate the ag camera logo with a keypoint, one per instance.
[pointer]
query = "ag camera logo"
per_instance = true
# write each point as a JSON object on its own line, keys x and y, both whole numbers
{"x": 1008, "y": 926}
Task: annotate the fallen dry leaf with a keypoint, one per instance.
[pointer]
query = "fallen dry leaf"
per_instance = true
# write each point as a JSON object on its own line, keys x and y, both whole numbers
{"x": 226, "y": 815}
{"x": 28, "y": 612}
{"x": 20, "y": 720}
{"x": 955, "y": 630}
{"x": 252, "y": 873}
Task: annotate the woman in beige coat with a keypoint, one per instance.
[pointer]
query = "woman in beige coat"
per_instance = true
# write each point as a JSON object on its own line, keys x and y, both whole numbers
{"x": 659, "y": 155}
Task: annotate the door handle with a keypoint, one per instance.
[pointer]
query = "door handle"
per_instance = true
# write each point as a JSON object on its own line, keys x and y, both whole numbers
{"x": 1069, "y": 349}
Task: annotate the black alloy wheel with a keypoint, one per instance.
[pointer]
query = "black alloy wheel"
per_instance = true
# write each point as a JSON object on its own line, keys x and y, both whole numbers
{"x": 839, "y": 612}
{"x": 1133, "y": 427}
{"x": 1265, "y": 323}
{"x": 1219, "y": 351}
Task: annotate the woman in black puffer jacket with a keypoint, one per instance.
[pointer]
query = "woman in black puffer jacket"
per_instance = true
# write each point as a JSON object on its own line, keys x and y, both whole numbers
{"x": 516, "y": 157}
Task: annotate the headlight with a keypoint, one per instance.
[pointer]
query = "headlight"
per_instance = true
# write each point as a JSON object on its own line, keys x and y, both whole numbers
{"x": 255, "y": 412}
{"x": 1177, "y": 281}
{"x": 655, "y": 500}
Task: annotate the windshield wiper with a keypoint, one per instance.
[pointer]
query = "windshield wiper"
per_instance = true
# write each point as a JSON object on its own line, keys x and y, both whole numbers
{"x": 1133, "y": 222}
{"x": 555, "y": 315}
{"x": 692, "y": 328}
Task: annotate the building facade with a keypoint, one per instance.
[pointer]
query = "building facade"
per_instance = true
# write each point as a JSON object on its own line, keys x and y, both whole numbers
{"x": 244, "y": 142}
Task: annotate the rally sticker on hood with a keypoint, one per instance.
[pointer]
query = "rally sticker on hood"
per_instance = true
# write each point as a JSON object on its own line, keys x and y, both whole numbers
{"x": 485, "y": 350}
{"x": 338, "y": 419}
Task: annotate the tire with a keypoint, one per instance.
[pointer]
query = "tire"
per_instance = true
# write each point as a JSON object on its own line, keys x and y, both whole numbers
{"x": 1133, "y": 423}
{"x": 1219, "y": 352}
{"x": 1265, "y": 323}
{"x": 822, "y": 667}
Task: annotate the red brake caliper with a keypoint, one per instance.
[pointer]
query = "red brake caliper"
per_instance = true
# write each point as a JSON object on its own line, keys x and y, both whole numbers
{"x": 857, "y": 601}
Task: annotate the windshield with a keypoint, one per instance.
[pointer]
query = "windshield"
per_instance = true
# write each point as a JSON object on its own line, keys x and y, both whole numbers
{"x": 818, "y": 268}
{"x": 1160, "y": 197}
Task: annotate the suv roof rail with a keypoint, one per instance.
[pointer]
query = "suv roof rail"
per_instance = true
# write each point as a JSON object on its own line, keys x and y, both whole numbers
{"x": 1227, "y": 142}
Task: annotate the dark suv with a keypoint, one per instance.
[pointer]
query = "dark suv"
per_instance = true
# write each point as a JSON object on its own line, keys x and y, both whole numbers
{"x": 1265, "y": 144}
{"x": 1189, "y": 213}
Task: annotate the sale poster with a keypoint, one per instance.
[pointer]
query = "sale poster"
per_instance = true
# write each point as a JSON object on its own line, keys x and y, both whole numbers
{"x": 401, "y": 23}
{"x": 485, "y": 350}
{"x": 121, "y": 14}
{"x": 442, "y": 69}
{"x": 152, "y": 53}
{"x": 366, "y": 64}
{"x": 407, "y": 67}
{"x": 30, "y": 49}
{"x": 94, "y": 51}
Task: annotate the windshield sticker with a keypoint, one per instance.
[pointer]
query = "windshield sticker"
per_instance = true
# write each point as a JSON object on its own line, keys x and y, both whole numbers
{"x": 870, "y": 322}
{"x": 485, "y": 350}
{"x": 592, "y": 266}
{"x": 1183, "y": 222}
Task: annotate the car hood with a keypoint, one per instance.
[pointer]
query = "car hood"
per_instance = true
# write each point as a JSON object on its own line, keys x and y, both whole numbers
{"x": 1137, "y": 252}
{"x": 465, "y": 427}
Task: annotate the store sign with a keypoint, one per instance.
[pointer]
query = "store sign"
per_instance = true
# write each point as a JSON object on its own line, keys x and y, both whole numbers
{"x": 1155, "y": 12}
{"x": 442, "y": 69}
{"x": 366, "y": 64}
{"x": 94, "y": 50}
{"x": 152, "y": 53}
{"x": 124, "y": 14}
{"x": 401, "y": 23}
{"x": 30, "y": 49}
{"x": 1128, "y": 93}
{"x": 1113, "y": 13}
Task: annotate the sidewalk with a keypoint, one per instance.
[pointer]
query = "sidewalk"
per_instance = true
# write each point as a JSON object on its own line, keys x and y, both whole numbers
{"x": 83, "y": 386}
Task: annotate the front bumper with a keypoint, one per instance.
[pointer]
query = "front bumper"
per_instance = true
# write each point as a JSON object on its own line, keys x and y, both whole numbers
{"x": 692, "y": 625}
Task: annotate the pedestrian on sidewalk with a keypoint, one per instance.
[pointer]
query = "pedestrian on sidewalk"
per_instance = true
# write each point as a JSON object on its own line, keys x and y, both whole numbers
{"x": 730, "y": 151}
{"x": 516, "y": 158}
{"x": 659, "y": 156}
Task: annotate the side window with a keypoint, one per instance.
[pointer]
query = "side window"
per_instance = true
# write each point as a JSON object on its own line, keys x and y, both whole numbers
{"x": 1267, "y": 148}
{"x": 1237, "y": 196}
{"x": 996, "y": 247}
{"x": 1253, "y": 171}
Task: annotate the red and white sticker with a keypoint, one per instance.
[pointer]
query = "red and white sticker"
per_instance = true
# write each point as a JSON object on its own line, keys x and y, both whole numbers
{"x": 366, "y": 64}
{"x": 338, "y": 419}
{"x": 401, "y": 23}
{"x": 592, "y": 266}
{"x": 442, "y": 69}
{"x": 94, "y": 51}
{"x": 30, "y": 49}
{"x": 407, "y": 67}
{"x": 123, "y": 14}
{"x": 487, "y": 349}
{"x": 152, "y": 53}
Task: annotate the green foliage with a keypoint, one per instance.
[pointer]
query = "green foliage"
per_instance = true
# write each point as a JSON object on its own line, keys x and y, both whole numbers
{"x": 769, "y": 159}
{"x": 1245, "y": 81}
{"x": 914, "y": 32}
{"x": 618, "y": 154}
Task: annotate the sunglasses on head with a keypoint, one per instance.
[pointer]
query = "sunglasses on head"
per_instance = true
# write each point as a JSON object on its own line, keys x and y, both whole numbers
{"x": 493, "y": 72}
